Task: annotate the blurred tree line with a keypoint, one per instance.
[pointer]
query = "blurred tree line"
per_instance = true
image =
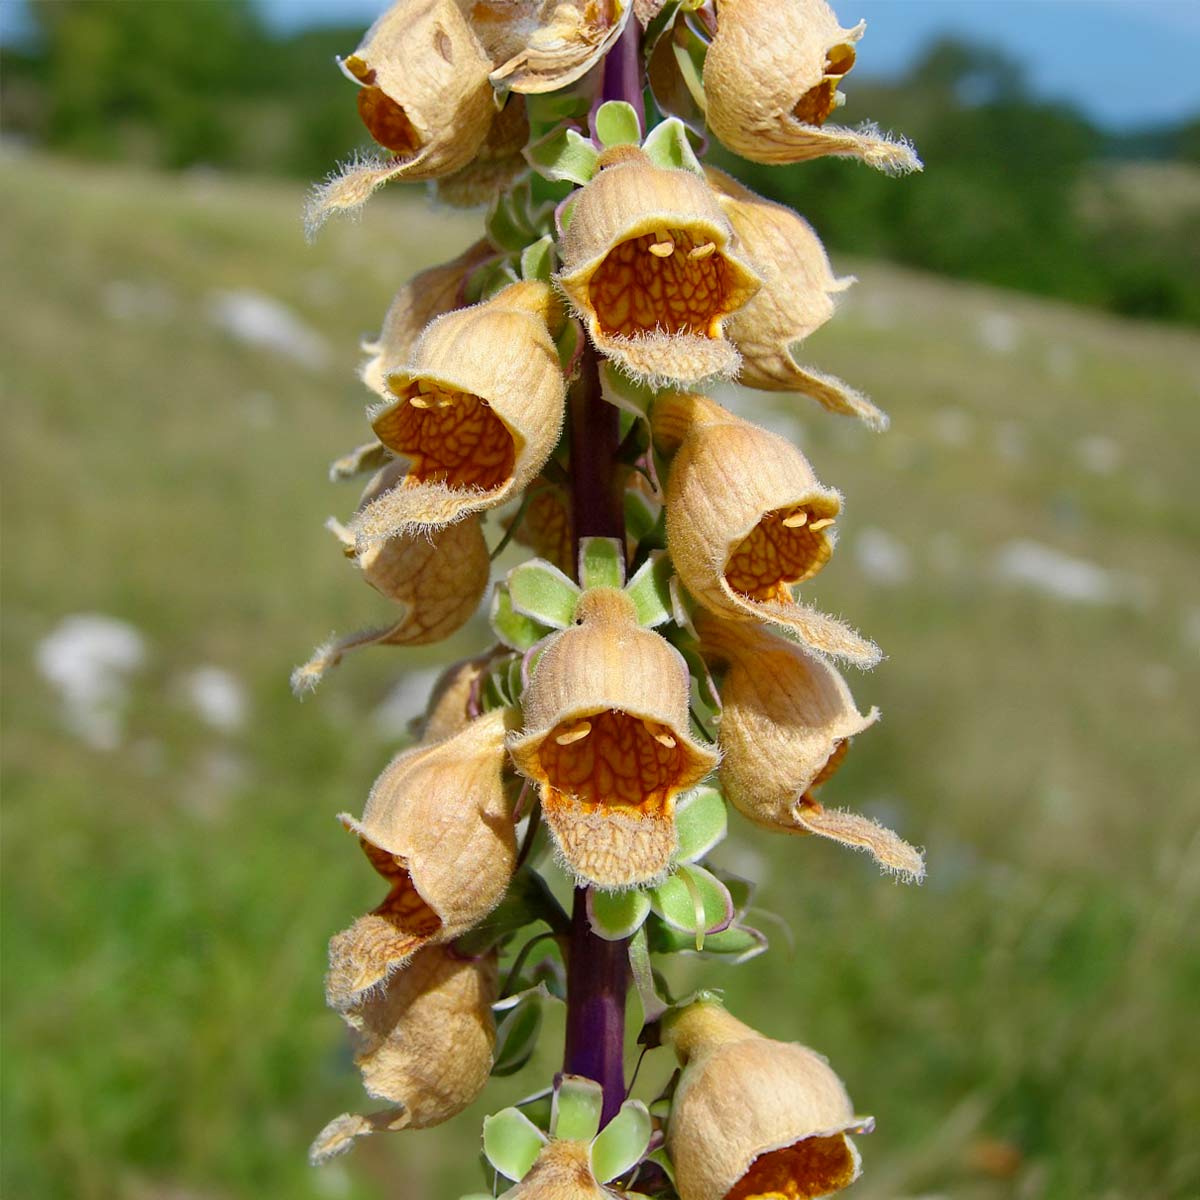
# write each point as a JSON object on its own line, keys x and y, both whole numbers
{"x": 1018, "y": 192}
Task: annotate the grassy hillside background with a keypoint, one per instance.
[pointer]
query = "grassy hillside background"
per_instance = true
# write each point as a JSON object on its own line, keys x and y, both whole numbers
{"x": 1023, "y": 544}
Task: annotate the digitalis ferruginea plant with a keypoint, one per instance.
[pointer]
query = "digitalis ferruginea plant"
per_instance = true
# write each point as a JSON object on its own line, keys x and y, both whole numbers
{"x": 654, "y": 650}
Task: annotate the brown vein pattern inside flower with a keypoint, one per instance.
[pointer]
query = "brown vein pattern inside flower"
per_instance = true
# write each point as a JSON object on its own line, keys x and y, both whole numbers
{"x": 668, "y": 280}
{"x": 386, "y": 121}
{"x": 814, "y": 107}
{"x": 450, "y": 437}
{"x": 614, "y": 760}
{"x": 787, "y": 546}
{"x": 405, "y": 907}
{"x": 814, "y": 1167}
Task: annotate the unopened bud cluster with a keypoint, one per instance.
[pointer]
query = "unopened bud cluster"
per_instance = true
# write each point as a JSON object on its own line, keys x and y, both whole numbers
{"x": 640, "y": 682}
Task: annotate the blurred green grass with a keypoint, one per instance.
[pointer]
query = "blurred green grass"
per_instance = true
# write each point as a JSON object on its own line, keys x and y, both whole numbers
{"x": 1018, "y": 1026}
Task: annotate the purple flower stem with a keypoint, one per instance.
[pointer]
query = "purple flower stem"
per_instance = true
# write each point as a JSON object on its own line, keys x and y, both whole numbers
{"x": 597, "y": 970}
{"x": 622, "y": 68}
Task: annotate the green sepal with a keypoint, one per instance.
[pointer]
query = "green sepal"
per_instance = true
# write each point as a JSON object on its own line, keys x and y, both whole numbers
{"x": 570, "y": 346}
{"x": 539, "y": 590}
{"x": 552, "y": 108}
{"x": 650, "y": 590}
{"x": 669, "y": 145}
{"x": 642, "y": 971}
{"x": 512, "y": 1142}
{"x": 623, "y": 392}
{"x": 701, "y": 821}
{"x": 695, "y": 901}
{"x": 513, "y": 629}
{"x": 537, "y": 259}
{"x": 706, "y": 689}
{"x": 601, "y": 563}
{"x": 493, "y": 692}
{"x": 490, "y": 279}
{"x": 616, "y": 124}
{"x": 641, "y": 514}
{"x": 616, "y": 915}
{"x": 661, "y": 1157}
{"x": 517, "y": 1032}
{"x": 575, "y": 1115}
{"x": 564, "y": 154}
{"x": 737, "y": 944}
{"x": 524, "y": 903}
{"x": 507, "y": 226}
{"x": 622, "y": 1143}
{"x": 690, "y": 51}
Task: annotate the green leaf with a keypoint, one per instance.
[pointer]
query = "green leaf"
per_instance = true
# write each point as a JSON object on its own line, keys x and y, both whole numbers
{"x": 524, "y": 903}
{"x": 601, "y": 563}
{"x": 622, "y": 1142}
{"x": 512, "y": 1142}
{"x": 564, "y": 153}
{"x": 578, "y": 1102}
{"x": 517, "y": 1033}
{"x": 616, "y": 915}
{"x": 541, "y": 591}
{"x": 616, "y": 124}
{"x": 693, "y": 900}
{"x": 650, "y": 590}
{"x": 668, "y": 145}
{"x": 537, "y": 259}
{"x": 700, "y": 822}
{"x": 515, "y": 630}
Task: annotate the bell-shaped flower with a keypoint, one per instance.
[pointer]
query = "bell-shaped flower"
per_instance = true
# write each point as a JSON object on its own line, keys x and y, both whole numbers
{"x": 650, "y": 266}
{"x": 424, "y": 95}
{"x": 771, "y": 81}
{"x": 746, "y": 520}
{"x": 787, "y": 719}
{"x": 437, "y": 579}
{"x": 606, "y": 739}
{"x": 543, "y": 45}
{"x": 438, "y": 827}
{"x": 423, "y": 1042}
{"x": 476, "y": 411}
{"x": 578, "y": 1158}
{"x": 426, "y": 295}
{"x": 796, "y": 299}
{"x": 754, "y": 1118}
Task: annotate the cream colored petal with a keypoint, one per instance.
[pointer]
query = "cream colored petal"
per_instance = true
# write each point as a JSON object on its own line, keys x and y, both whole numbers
{"x": 562, "y": 1171}
{"x": 478, "y": 411}
{"x": 427, "y": 295}
{"x": 741, "y": 1097}
{"x": 423, "y": 1042}
{"x": 650, "y": 267}
{"x": 497, "y": 165}
{"x": 607, "y": 740}
{"x": 438, "y": 825}
{"x": 891, "y": 852}
{"x": 795, "y": 300}
{"x": 771, "y": 77}
{"x": 543, "y": 45}
{"x": 746, "y": 520}
{"x": 786, "y": 720}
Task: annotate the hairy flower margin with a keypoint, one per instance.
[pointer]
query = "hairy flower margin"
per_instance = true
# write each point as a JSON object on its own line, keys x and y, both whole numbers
{"x": 661, "y": 660}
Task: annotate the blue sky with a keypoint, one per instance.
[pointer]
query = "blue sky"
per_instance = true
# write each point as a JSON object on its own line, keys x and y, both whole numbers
{"x": 1124, "y": 62}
